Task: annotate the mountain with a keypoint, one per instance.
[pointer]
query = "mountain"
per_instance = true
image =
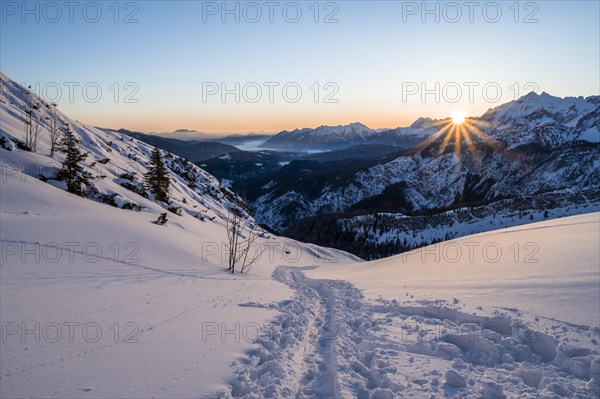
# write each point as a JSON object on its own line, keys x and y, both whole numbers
{"x": 192, "y": 150}
{"x": 539, "y": 118}
{"x": 544, "y": 120}
{"x": 115, "y": 161}
{"x": 373, "y": 229}
{"x": 322, "y": 137}
{"x": 537, "y": 145}
{"x": 345, "y": 136}
{"x": 246, "y": 172}
{"x": 233, "y": 139}
{"x": 185, "y": 134}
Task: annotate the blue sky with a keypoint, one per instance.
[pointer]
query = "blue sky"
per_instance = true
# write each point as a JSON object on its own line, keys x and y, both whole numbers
{"x": 370, "y": 57}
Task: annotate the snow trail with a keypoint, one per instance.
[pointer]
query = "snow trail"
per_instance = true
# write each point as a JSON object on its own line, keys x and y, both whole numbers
{"x": 328, "y": 341}
{"x": 316, "y": 348}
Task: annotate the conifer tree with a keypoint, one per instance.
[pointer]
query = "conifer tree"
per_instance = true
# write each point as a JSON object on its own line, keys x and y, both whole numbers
{"x": 72, "y": 171}
{"x": 157, "y": 178}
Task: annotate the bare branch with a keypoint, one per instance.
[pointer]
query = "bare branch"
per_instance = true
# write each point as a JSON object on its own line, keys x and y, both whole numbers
{"x": 242, "y": 250}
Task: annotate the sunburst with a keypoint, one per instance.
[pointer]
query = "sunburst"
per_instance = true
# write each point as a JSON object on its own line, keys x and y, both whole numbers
{"x": 456, "y": 130}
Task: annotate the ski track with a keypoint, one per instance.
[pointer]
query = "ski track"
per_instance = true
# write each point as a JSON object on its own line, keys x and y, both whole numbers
{"x": 97, "y": 257}
{"x": 330, "y": 342}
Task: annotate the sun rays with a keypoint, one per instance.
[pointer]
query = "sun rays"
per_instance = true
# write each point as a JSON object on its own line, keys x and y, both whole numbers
{"x": 454, "y": 131}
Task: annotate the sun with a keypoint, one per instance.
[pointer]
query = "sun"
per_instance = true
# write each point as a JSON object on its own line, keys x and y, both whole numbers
{"x": 454, "y": 131}
{"x": 458, "y": 118}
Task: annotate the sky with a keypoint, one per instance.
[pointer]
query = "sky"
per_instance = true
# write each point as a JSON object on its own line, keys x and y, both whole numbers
{"x": 267, "y": 66}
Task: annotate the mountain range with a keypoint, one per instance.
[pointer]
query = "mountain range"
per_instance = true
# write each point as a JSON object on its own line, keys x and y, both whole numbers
{"x": 324, "y": 185}
{"x": 344, "y": 136}
{"x": 534, "y": 146}
{"x": 371, "y": 192}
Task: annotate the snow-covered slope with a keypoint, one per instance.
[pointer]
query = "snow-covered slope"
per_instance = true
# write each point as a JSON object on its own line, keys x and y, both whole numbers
{"x": 544, "y": 119}
{"x": 512, "y": 311}
{"x": 115, "y": 161}
{"x": 514, "y": 315}
{"x": 553, "y": 272}
{"x": 68, "y": 261}
{"x": 121, "y": 306}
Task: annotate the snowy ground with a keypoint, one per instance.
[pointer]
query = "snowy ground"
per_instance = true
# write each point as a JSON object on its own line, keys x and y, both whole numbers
{"x": 550, "y": 269}
{"x": 407, "y": 327}
{"x": 391, "y": 328}
{"x": 543, "y": 299}
{"x": 99, "y": 302}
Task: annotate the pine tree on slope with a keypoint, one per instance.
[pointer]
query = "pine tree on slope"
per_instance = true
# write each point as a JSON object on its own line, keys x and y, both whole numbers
{"x": 157, "y": 178}
{"x": 72, "y": 171}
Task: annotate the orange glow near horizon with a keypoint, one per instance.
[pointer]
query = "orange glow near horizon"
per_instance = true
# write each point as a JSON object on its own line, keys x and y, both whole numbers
{"x": 219, "y": 121}
{"x": 219, "y": 124}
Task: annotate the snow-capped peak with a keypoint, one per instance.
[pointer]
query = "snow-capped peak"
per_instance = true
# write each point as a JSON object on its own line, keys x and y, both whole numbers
{"x": 351, "y": 134}
{"x": 540, "y": 107}
{"x": 422, "y": 122}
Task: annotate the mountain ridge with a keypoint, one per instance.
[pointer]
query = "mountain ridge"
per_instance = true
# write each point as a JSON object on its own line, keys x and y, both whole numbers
{"x": 529, "y": 111}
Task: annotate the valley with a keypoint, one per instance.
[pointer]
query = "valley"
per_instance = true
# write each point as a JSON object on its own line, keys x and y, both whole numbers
{"x": 377, "y": 200}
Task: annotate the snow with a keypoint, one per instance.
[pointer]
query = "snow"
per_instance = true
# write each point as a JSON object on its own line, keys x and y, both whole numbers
{"x": 532, "y": 102}
{"x": 122, "y": 269}
{"x": 553, "y": 121}
{"x": 561, "y": 257}
{"x": 100, "y": 302}
{"x": 592, "y": 135}
{"x": 6, "y": 143}
{"x": 508, "y": 327}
